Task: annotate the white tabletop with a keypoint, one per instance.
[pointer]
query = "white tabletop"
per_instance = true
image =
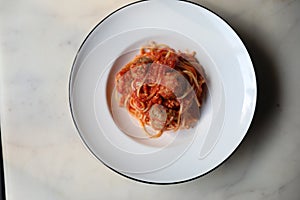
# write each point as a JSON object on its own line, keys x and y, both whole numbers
{"x": 43, "y": 155}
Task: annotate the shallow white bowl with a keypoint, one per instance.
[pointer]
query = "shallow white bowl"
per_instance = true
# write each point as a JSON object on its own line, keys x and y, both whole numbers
{"x": 225, "y": 116}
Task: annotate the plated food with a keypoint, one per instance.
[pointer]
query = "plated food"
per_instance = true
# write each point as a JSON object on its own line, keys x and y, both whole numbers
{"x": 162, "y": 88}
{"x": 227, "y": 105}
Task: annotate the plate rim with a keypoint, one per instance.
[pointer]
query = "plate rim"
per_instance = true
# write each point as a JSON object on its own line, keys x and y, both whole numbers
{"x": 137, "y": 179}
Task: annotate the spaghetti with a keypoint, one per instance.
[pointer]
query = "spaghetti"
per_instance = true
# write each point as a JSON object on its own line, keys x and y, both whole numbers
{"x": 161, "y": 88}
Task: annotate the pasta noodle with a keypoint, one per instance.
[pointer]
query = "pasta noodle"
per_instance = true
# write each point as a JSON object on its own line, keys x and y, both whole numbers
{"x": 161, "y": 88}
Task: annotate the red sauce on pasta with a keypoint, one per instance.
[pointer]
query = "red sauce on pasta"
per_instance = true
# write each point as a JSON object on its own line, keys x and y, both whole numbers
{"x": 161, "y": 88}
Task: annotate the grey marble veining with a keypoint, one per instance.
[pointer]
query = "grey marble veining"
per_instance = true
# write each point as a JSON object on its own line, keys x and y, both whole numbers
{"x": 43, "y": 155}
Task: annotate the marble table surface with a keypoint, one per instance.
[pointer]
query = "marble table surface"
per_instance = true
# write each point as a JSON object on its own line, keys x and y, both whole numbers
{"x": 45, "y": 159}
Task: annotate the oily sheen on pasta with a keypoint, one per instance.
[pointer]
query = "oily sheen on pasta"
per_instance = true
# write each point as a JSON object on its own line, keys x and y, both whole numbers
{"x": 162, "y": 88}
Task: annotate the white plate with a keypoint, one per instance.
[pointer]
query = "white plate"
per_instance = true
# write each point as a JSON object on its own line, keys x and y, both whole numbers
{"x": 225, "y": 116}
